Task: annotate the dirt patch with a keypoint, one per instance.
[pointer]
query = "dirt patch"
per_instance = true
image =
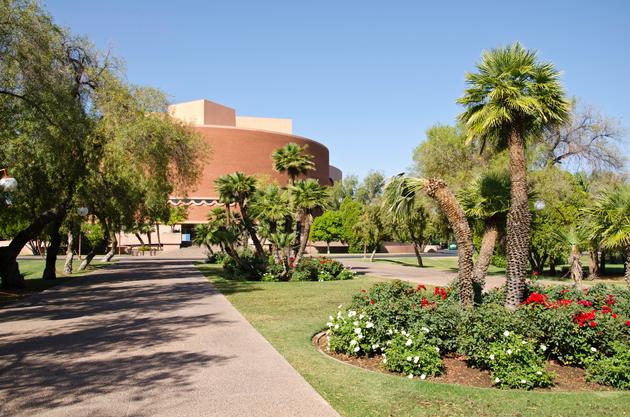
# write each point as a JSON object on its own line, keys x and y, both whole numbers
{"x": 458, "y": 372}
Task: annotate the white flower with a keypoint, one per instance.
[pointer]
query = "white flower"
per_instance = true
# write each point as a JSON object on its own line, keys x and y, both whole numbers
{"x": 355, "y": 323}
{"x": 423, "y": 376}
{"x": 509, "y": 351}
{"x": 375, "y": 346}
{"x": 523, "y": 381}
{"x": 593, "y": 349}
{"x": 437, "y": 349}
{"x": 336, "y": 326}
{"x": 408, "y": 342}
{"x": 497, "y": 380}
{"x": 410, "y": 376}
{"x": 404, "y": 333}
{"x": 408, "y": 358}
{"x": 361, "y": 316}
{"x": 426, "y": 330}
{"x": 329, "y": 324}
{"x": 506, "y": 333}
{"x": 356, "y": 349}
{"x": 352, "y": 313}
{"x": 543, "y": 347}
{"x": 523, "y": 342}
{"x": 357, "y": 330}
{"x": 416, "y": 359}
{"x": 369, "y": 325}
{"x": 339, "y": 316}
{"x": 491, "y": 357}
{"x": 389, "y": 332}
{"x": 360, "y": 337}
{"x": 384, "y": 360}
{"x": 353, "y": 342}
{"x": 330, "y": 318}
{"x": 339, "y": 306}
{"x": 538, "y": 372}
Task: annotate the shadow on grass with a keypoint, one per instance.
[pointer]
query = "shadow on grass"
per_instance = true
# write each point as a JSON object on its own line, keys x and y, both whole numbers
{"x": 225, "y": 283}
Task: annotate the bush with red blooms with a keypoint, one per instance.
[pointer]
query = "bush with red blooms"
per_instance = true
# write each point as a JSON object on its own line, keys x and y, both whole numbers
{"x": 571, "y": 325}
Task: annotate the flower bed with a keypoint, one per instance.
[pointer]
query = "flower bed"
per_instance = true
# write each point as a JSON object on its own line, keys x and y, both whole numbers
{"x": 410, "y": 331}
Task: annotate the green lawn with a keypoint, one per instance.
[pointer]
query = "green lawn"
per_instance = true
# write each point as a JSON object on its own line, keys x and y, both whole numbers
{"x": 288, "y": 314}
{"x": 32, "y": 270}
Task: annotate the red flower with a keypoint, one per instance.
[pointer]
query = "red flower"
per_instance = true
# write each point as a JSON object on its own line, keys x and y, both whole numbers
{"x": 535, "y": 273}
{"x": 363, "y": 291}
{"x": 425, "y": 302}
{"x": 628, "y": 323}
{"x": 610, "y": 301}
{"x": 614, "y": 315}
{"x": 441, "y": 292}
{"x": 564, "y": 291}
{"x": 421, "y": 287}
{"x": 592, "y": 324}
{"x": 536, "y": 298}
{"x": 585, "y": 303}
{"x": 372, "y": 301}
{"x": 606, "y": 309}
{"x": 582, "y": 318}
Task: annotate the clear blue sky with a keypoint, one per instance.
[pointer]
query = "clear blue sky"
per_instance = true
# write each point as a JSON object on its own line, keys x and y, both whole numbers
{"x": 366, "y": 78}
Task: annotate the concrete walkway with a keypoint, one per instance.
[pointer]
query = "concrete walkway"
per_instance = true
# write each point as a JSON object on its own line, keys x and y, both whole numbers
{"x": 145, "y": 337}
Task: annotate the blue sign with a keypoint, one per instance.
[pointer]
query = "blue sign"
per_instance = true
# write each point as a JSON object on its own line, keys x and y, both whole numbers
{"x": 185, "y": 237}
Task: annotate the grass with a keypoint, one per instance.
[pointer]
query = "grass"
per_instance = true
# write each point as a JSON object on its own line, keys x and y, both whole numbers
{"x": 288, "y": 314}
{"x": 32, "y": 270}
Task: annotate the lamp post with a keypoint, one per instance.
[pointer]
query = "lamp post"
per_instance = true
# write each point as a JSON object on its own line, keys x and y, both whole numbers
{"x": 81, "y": 211}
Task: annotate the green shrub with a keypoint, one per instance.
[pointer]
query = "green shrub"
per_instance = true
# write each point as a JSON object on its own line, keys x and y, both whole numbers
{"x": 412, "y": 355}
{"x": 250, "y": 267}
{"x": 352, "y": 333}
{"x": 306, "y": 270}
{"x": 613, "y": 370}
{"x": 518, "y": 363}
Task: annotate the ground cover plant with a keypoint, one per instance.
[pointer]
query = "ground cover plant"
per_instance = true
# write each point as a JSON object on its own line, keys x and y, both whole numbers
{"x": 288, "y": 316}
{"x": 587, "y": 328}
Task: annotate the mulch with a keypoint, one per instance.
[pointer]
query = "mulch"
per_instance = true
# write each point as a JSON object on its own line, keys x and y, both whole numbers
{"x": 458, "y": 372}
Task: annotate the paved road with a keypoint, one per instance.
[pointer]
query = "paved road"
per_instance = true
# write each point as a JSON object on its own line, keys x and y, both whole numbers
{"x": 146, "y": 337}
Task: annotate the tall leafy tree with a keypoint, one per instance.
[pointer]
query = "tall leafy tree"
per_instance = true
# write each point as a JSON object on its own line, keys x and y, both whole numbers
{"x": 328, "y": 228}
{"x": 510, "y": 99}
{"x": 294, "y": 160}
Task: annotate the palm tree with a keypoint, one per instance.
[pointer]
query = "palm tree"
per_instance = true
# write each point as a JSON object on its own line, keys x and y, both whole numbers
{"x": 487, "y": 199}
{"x": 272, "y": 210}
{"x": 610, "y": 219}
{"x": 293, "y": 160}
{"x": 283, "y": 242}
{"x": 400, "y": 196}
{"x": 306, "y": 197}
{"x": 511, "y": 98}
{"x": 240, "y": 188}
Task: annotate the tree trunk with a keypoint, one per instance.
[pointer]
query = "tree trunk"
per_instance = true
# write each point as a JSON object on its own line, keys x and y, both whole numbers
{"x": 518, "y": 223}
{"x": 373, "y": 253}
{"x": 50, "y": 270}
{"x": 139, "y": 238}
{"x": 86, "y": 261}
{"x": 92, "y": 252}
{"x": 67, "y": 266}
{"x": 437, "y": 189}
{"x": 328, "y": 248}
{"x": 157, "y": 232}
{"x": 306, "y": 230}
{"x": 9, "y": 269}
{"x": 488, "y": 242}
{"x": 252, "y": 232}
{"x": 416, "y": 249}
{"x": 593, "y": 263}
{"x": 552, "y": 266}
{"x": 114, "y": 242}
{"x": 575, "y": 263}
{"x": 602, "y": 262}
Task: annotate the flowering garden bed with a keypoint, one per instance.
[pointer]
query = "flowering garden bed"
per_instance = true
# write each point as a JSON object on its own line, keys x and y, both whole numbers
{"x": 559, "y": 338}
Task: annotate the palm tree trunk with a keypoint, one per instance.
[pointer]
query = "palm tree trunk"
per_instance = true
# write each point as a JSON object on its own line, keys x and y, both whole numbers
{"x": 602, "y": 262}
{"x": 416, "y": 249}
{"x": 67, "y": 266}
{"x": 593, "y": 263}
{"x": 437, "y": 189}
{"x": 252, "y": 232}
{"x": 518, "y": 223}
{"x": 488, "y": 242}
{"x": 575, "y": 263}
{"x": 626, "y": 275}
{"x": 306, "y": 230}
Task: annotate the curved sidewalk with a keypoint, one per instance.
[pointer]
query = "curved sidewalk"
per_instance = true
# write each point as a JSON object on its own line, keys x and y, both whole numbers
{"x": 144, "y": 337}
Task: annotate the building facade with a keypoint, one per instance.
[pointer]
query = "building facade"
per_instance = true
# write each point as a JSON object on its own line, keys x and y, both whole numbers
{"x": 237, "y": 143}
